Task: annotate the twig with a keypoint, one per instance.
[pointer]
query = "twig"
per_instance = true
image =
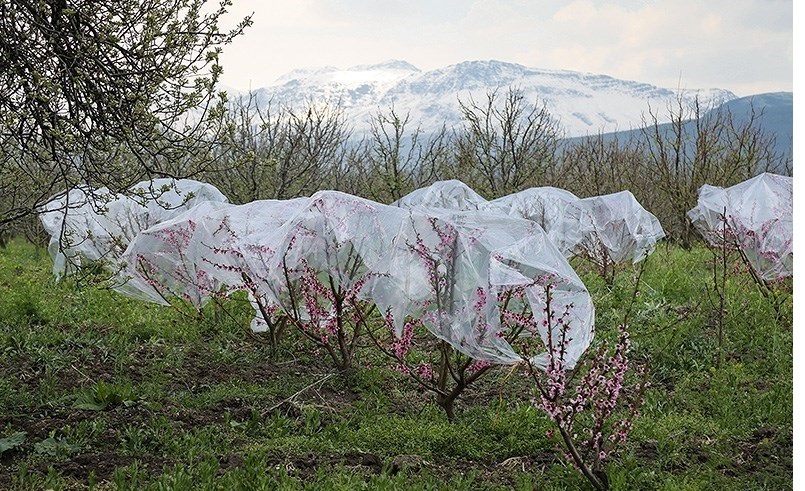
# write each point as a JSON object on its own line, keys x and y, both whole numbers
{"x": 291, "y": 398}
{"x": 81, "y": 373}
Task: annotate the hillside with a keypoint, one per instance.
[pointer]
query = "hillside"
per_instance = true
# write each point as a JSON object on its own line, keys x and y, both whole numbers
{"x": 774, "y": 113}
{"x": 583, "y": 103}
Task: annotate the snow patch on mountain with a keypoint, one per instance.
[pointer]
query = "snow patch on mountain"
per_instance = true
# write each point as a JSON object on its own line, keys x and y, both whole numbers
{"x": 583, "y": 103}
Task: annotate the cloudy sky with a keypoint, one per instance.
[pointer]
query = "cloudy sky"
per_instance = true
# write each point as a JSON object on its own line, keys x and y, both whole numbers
{"x": 745, "y": 46}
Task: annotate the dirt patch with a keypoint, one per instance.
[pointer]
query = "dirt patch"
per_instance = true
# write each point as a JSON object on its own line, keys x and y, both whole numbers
{"x": 306, "y": 466}
{"x": 86, "y": 369}
{"x": 198, "y": 370}
{"x": 647, "y": 450}
{"x": 763, "y": 451}
{"x": 103, "y": 465}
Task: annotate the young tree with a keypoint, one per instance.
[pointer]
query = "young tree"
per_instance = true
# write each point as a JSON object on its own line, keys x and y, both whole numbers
{"x": 103, "y": 94}
{"x": 699, "y": 146}
{"x": 602, "y": 164}
{"x": 270, "y": 152}
{"x": 398, "y": 160}
{"x": 506, "y": 144}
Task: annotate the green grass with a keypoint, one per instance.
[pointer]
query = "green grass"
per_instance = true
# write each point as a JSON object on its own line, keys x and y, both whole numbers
{"x": 101, "y": 392}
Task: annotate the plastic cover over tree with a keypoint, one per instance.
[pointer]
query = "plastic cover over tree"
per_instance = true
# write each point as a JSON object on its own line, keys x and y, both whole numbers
{"x": 615, "y": 228}
{"x": 755, "y": 216}
{"x": 455, "y": 271}
{"x": 326, "y": 257}
{"x": 447, "y": 268}
{"x": 548, "y": 207}
{"x": 201, "y": 253}
{"x": 612, "y": 228}
{"x": 452, "y": 195}
{"x": 96, "y": 225}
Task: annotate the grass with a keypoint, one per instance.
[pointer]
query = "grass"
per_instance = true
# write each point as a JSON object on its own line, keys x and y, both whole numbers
{"x": 101, "y": 392}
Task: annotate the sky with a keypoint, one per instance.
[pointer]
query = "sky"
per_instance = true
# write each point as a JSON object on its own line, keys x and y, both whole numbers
{"x": 745, "y": 46}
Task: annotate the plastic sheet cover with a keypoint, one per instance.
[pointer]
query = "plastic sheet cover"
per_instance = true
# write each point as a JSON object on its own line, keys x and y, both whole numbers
{"x": 452, "y": 195}
{"x": 454, "y": 269}
{"x": 615, "y": 227}
{"x": 97, "y": 225}
{"x": 609, "y": 228}
{"x": 200, "y": 254}
{"x": 334, "y": 237}
{"x": 446, "y": 268}
{"x": 548, "y": 207}
{"x": 170, "y": 260}
{"x": 450, "y": 269}
{"x": 757, "y": 216}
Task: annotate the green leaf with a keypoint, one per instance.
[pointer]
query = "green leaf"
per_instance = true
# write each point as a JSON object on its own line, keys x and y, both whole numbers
{"x": 130, "y": 402}
{"x": 55, "y": 448}
{"x": 13, "y": 441}
{"x": 90, "y": 406}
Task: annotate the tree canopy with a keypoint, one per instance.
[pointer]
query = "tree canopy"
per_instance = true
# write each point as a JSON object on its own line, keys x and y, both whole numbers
{"x": 104, "y": 93}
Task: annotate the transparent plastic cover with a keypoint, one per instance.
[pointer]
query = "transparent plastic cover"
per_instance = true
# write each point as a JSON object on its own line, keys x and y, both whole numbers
{"x": 755, "y": 216}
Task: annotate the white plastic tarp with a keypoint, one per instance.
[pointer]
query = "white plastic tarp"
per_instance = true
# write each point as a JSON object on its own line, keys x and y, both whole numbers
{"x": 451, "y": 194}
{"x": 453, "y": 269}
{"x": 548, "y": 207}
{"x": 449, "y": 268}
{"x": 94, "y": 225}
{"x": 615, "y": 228}
{"x": 202, "y": 252}
{"x": 334, "y": 236}
{"x": 609, "y": 228}
{"x": 759, "y": 219}
{"x": 168, "y": 260}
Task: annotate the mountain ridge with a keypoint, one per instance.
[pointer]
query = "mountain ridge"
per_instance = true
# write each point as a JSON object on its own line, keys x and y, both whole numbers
{"x": 582, "y": 103}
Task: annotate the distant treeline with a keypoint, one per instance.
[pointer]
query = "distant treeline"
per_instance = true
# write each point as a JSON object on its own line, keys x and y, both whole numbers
{"x": 504, "y": 144}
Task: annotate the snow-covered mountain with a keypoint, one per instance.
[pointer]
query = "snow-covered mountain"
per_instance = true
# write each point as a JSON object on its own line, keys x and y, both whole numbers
{"x": 583, "y": 103}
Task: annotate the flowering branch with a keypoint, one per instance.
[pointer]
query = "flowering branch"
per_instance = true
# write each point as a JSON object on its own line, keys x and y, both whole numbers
{"x": 586, "y": 414}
